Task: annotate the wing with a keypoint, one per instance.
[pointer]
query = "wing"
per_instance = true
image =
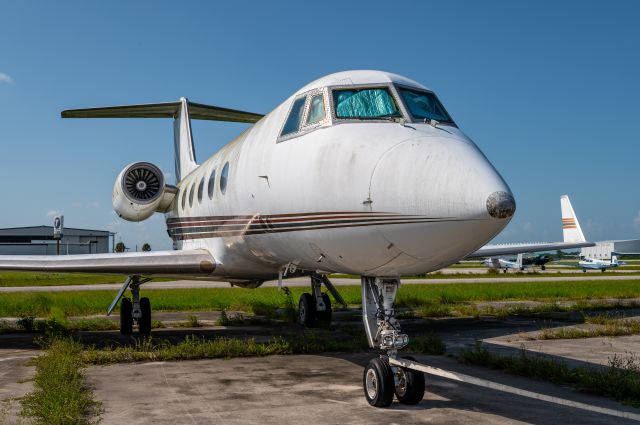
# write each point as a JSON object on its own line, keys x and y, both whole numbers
{"x": 491, "y": 250}
{"x": 170, "y": 263}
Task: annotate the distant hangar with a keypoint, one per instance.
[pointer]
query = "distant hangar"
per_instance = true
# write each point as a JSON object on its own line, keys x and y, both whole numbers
{"x": 38, "y": 240}
{"x": 604, "y": 249}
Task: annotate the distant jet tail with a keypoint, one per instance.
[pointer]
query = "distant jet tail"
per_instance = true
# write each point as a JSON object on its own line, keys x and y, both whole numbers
{"x": 519, "y": 260}
{"x": 571, "y": 230}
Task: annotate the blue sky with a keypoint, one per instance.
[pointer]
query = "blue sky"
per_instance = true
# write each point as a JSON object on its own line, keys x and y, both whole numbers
{"x": 548, "y": 90}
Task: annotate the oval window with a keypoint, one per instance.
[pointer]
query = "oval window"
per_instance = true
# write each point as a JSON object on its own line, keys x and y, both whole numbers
{"x": 184, "y": 198}
{"x": 193, "y": 186}
{"x": 224, "y": 177}
{"x": 212, "y": 184}
{"x": 200, "y": 189}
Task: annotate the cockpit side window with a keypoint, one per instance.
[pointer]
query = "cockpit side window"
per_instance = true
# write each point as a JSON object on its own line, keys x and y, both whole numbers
{"x": 423, "y": 105}
{"x": 292, "y": 124}
{"x": 365, "y": 103}
{"x": 316, "y": 109}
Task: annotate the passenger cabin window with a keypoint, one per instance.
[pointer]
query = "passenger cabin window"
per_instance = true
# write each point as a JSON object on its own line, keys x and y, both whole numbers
{"x": 292, "y": 124}
{"x": 193, "y": 186}
{"x": 424, "y": 106}
{"x": 316, "y": 109}
{"x": 200, "y": 189}
{"x": 224, "y": 177}
{"x": 212, "y": 184}
{"x": 365, "y": 103}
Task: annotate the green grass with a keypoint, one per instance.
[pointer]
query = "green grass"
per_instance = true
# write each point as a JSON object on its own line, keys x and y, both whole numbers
{"x": 265, "y": 301}
{"x": 51, "y": 279}
{"x": 602, "y": 325}
{"x": 60, "y": 396}
{"x": 620, "y": 380}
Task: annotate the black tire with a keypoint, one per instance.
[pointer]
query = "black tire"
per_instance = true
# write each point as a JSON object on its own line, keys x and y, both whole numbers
{"x": 603, "y": 270}
{"x": 325, "y": 316}
{"x": 412, "y": 392}
{"x": 307, "y": 310}
{"x": 126, "y": 318}
{"x": 504, "y": 271}
{"x": 584, "y": 270}
{"x": 543, "y": 267}
{"x": 377, "y": 382}
{"x": 144, "y": 324}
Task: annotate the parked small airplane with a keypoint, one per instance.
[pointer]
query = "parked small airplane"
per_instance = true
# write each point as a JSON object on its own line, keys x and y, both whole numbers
{"x": 571, "y": 232}
{"x": 360, "y": 172}
{"x": 595, "y": 264}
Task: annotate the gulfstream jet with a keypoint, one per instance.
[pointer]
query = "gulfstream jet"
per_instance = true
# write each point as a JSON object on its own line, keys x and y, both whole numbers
{"x": 359, "y": 172}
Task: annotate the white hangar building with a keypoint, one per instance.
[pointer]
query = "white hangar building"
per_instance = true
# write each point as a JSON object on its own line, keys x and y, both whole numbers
{"x": 604, "y": 249}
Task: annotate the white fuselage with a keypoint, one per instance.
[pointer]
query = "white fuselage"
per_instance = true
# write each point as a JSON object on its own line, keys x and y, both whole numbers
{"x": 595, "y": 264}
{"x": 368, "y": 198}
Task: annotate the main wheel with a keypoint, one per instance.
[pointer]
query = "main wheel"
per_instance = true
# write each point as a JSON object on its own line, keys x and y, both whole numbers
{"x": 584, "y": 270}
{"x": 325, "y": 316}
{"x": 409, "y": 387}
{"x": 377, "y": 381}
{"x": 603, "y": 270}
{"x": 126, "y": 319}
{"x": 504, "y": 271}
{"x": 144, "y": 324}
{"x": 543, "y": 267}
{"x": 307, "y": 310}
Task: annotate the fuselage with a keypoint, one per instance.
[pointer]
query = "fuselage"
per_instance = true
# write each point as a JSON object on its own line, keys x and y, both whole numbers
{"x": 376, "y": 197}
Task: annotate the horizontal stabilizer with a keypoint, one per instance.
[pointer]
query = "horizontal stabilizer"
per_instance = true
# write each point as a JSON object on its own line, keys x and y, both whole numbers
{"x": 165, "y": 110}
{"x": 164, "y": 263}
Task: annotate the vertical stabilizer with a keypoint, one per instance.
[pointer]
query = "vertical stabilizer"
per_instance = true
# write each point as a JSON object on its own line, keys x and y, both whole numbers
{"x": 185, "y": 156}
{"x": 519, "y": 260}
{"x": 614, "y": 259}
{"x": 571, "y": 230}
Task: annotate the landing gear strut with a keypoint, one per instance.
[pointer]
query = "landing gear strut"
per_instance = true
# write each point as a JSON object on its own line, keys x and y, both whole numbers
{"x": 316, "y": 307}
{"x": 381, "y": 379}
{"x": 137, "y": 310}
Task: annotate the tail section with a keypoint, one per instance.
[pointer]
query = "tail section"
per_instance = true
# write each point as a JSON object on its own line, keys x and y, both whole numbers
{"x": 614, "y": 259}
{"x": 185, "y": 156}
{"x": 571, "y": 230}
{"x": 182, "y": 112}
{"x": 519, "y": 260}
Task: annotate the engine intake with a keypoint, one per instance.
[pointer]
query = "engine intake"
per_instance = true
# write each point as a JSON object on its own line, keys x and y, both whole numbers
{"x": 140, "y": 190}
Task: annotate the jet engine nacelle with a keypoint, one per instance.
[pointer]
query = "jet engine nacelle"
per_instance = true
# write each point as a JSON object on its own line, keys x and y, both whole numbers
{"x": 140, "y": 190}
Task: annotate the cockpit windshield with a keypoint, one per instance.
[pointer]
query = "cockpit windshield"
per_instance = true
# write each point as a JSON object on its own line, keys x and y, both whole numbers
{"x": 424, "y": 105}
{"x": 365, "y": 103}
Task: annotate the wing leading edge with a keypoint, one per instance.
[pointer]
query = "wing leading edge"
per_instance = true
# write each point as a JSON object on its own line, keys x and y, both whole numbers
{"x": 510, "y": 249}
{"x": 195, "y": 262}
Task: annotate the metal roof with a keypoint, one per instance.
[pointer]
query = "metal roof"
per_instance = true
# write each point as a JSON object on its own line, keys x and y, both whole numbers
{"x": 47, "y": 231}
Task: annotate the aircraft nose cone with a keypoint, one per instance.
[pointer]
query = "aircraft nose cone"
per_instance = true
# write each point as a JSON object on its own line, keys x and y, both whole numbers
{"x": 501, "y": 204}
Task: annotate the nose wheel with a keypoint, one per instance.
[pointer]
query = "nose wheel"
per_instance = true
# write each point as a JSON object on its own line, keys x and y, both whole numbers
{"x": 381, "y": 380}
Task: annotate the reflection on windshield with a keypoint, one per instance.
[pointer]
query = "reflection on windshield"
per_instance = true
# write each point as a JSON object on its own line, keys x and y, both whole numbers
{"x": 365, "y": 104}
{"x": 423, "y": 105}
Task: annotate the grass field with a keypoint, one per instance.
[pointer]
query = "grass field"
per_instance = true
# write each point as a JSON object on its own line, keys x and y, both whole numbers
{"x": 51, "y": 279}
{"x": 264, "y": 301}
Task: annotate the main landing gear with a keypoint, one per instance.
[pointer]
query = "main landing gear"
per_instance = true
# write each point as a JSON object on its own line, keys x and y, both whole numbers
{"x": 381, "y": 378}
{"x": 136, "y": 310}
{"x": 315, "y": 307}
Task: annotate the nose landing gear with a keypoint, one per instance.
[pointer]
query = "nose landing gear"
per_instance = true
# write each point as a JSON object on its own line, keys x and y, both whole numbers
{"x": 382, "y": 378}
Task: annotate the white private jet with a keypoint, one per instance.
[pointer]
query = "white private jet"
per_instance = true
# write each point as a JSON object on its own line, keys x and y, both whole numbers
{"x": 360, "y": 172}
{"x": 571, "y": 233}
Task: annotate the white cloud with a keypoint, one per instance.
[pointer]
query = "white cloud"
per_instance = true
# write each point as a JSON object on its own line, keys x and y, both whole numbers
{"x": 4, "y": 78}
{"x": 53, "y": 213}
